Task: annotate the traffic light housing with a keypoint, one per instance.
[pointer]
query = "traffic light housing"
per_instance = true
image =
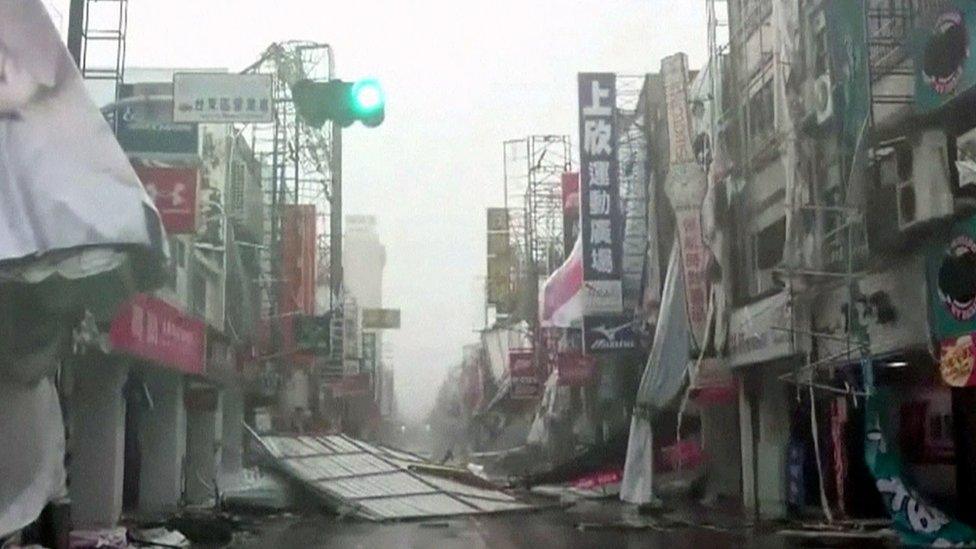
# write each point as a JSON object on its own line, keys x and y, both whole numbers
{"x": 339, "y": 101}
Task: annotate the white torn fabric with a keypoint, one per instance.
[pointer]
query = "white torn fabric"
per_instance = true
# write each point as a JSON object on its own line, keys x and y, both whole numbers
{"x": 70, "y": 264}
{"x": 32, "y": 454}
{"x": 662, "y": 380}
{"x": 64, "y": 180}
{"x": 638, "y": 484}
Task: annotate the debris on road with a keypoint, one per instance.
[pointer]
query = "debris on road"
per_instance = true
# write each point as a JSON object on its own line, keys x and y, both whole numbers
{"x": 111, "y": 538}
{"x": 379, "y": 483}
{"x": 159, "y": 537}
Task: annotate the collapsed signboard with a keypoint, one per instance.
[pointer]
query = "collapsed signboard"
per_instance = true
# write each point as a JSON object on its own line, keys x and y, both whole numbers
{"x": 379, "y": 483}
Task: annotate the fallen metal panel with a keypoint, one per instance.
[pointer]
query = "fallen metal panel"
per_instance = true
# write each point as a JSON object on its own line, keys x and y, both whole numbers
{"x": 377, "y": 482}
{"x": 433, "y": 505}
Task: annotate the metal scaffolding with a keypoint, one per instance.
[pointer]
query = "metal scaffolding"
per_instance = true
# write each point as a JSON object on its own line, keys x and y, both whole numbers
{"x": 103, "y": 40}
{"x": 533, "y": 177}
{"x": 298, "y": 160}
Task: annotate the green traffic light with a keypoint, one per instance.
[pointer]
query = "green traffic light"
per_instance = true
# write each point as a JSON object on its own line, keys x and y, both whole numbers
{"x": 368, "y": 96}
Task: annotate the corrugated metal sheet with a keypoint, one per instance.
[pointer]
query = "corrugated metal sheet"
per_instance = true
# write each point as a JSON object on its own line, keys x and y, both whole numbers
{"x": 376, "y": 481}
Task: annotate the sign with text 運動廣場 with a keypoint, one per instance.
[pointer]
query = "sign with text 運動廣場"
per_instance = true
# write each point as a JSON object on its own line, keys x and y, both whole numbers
{"x": 601, "y": 219}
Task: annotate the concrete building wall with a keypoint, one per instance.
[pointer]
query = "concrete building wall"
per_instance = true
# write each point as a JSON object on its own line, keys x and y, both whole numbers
{"x": 162, "y": 437}
{"x": 773, "y": 435}
{"x": 97, "y": 443}
{"x": 363, "y": 261}
{"x": 203, "y": 445}
{"x": 720, "y": 425}
{"x": 232, "y": 433}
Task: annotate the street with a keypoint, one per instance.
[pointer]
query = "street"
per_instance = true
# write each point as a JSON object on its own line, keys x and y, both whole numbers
{"x": 583, "y": 282}
{"x": 590, "y": 524}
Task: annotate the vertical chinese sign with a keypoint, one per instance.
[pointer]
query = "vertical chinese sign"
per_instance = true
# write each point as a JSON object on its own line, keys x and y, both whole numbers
{"x": 685, "y": 188}
{"x": 499, "y": 261}
{"x": 601, "y": 222}
{"x": 298, "y": 240}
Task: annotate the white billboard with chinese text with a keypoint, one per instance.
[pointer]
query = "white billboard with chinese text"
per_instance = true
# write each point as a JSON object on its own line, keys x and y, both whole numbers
{"x": 221, "y": 97}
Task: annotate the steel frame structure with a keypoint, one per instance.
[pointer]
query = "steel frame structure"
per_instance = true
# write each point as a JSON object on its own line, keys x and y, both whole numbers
{"x": 105, "y": 22}
{"x": 302, "y": 164}
{"x": 533, "y": 178}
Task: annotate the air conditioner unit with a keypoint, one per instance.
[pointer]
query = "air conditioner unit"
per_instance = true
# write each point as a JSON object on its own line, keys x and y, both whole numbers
{"x": 823, "y": 98}
{"x": 927, "y": 194}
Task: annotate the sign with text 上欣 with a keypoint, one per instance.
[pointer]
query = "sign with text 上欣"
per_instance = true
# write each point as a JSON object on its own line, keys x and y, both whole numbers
{"x": 601, "y": 219}
{"x": 381, "y": 319}
{"x": 221, "y": 97}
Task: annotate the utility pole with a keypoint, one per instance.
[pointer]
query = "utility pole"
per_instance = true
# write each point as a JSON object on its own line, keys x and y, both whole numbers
{"x": 76, "y": 23}
{"x": 335, "y": 219}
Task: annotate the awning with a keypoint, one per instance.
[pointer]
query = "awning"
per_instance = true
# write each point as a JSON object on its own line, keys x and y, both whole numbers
{"x": 561, "y": 297}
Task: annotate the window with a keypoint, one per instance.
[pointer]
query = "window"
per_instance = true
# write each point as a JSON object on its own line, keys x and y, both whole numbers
{"x": 761, "y": 114}
{"x": 180, "y": 252}
{"x": 198, "y": 294}
{"x": 766, "y": 253}
{"x": 819, "y": 46}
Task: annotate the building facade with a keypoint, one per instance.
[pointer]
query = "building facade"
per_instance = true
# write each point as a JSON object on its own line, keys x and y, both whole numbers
{"x": 156, "y": 404}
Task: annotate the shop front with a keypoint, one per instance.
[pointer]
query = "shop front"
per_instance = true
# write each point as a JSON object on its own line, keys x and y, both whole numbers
{"x": 878, "y": 323}
{"x": 160, "y": 347}
{"x": 761, "y": 347}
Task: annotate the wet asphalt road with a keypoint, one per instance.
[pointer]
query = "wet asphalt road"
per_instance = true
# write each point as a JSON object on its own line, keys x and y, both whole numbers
{"x": 585, "y": 525}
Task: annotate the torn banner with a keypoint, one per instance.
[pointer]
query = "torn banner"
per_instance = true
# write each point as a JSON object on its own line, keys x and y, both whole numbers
{"x": 917, "y": 522}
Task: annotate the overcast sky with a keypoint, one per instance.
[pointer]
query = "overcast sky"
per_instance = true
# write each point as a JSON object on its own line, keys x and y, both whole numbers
{"x": 460, "y": 77}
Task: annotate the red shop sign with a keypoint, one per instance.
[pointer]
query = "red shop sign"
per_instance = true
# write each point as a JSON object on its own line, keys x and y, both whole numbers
{"x": 526, "y": 388}
{"x": 576, "y": 369}
{"x": 521, "y": 362}
{"x": 174, "y": 191}
{"x": 599, "y": 479}
{"x": 352, "y": 385}
{"x": 151, "y": 329}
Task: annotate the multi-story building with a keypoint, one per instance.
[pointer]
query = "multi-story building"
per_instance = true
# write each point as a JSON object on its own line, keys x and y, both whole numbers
{"x": 840, "y": 158}
{"x": 156, "y": 415}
